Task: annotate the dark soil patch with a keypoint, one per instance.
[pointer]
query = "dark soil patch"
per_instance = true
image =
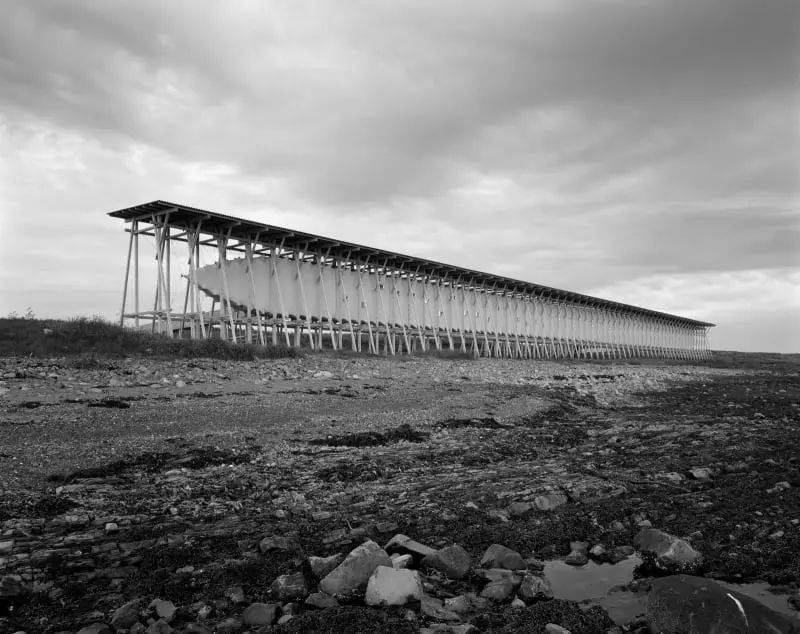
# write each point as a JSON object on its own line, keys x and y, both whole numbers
{"x": 371, "y": 439}
{"x": 567, "y": 614}
{"x": 111, "y": 403}
{"x": 349, "y": 620}
{"x": 154, "y": 462}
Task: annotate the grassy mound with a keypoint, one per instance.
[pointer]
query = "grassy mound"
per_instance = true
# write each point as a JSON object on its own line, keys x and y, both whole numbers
{"x": 95, "y": 337}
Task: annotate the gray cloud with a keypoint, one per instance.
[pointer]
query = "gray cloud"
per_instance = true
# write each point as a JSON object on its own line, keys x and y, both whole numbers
{"x": 569, "y": 142}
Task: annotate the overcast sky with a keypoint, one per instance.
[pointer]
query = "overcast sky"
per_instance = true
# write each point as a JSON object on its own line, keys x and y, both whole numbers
{"x": 645, "y": 151}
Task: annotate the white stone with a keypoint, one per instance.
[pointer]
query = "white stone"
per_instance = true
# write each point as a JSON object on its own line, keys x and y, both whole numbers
{"x": 388, "y": 586}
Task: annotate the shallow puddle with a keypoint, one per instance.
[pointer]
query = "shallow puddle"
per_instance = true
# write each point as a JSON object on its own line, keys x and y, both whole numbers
{"x": 592, "y": 584}
{"x": 598, "y": 584}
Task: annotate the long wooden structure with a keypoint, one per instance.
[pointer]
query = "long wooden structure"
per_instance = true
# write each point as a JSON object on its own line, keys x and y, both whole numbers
{"x": 269, "y": 284}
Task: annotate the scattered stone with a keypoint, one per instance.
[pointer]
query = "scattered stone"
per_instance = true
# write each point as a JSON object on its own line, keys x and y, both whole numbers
{"x": 229, "y": 626}
{"x": 460, "y": 604}
{"x": 701, "y": 473}
{"x": 356, "y": 569}
{"x": 452, "y": 561}
{"x": 125, "y": 616}
{"x": 434, "y": 609}
{"x": 12, "y": 586}
{"x": 696, "y": 605}
{"x": 779, "y": 487}
{"x": 519, "y": 509}
{"x": 598, "y": 551}
{"x": 164, "y": 609}
{"x": 289, "y": 587}
{"x": 235, "y": 594}
{"x": 550, "y": 501}
{"x": 96, "y": 628}
{"x": 403, "y": 544}
{"x": 401, "y": 561}
{"x": 669, "y": 551}
{"x": 388, "y": 586}
{"x": 554, "y": 628}
{"x": 111, "y": 528}
{"x": 577, "y": 555}
{"x": 499, "y": 589}
{"x": 6, "y": 546}
{"x": 321, "y": 566}
{"x": 159, "y": 627}
{"x": 498, "y": 556}
{"x": 276, "y": 543}
{"x": 321, "y": 601}
{"x": 259, "y": 614}
{"x": 534, "y": 588}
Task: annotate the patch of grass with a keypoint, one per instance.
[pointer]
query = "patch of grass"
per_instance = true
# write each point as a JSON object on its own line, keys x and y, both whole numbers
{"x": 91, "y": 339}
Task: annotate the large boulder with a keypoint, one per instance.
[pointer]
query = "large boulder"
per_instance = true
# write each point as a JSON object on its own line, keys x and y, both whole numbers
{"x": 356, "y": 569}
{"x": 453, "y": 561}
{"x": 669, "y": 551}
{"x": 388, "y": 586}
{"x": 498, "y": 556}
{"x": 694, "y": 605}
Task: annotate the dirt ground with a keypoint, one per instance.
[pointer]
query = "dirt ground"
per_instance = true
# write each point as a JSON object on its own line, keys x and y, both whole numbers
{"x": 158, "y": 479}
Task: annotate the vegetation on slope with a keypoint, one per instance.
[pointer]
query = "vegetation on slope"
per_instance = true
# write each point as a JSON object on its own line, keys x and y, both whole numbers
{"x": 96, "y": 337}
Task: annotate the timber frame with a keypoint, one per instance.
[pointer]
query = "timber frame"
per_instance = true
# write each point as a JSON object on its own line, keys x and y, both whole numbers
{"x": 296, "y": 288}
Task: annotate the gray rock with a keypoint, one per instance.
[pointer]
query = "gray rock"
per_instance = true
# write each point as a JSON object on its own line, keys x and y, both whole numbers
{"x": 321, "y": 566}
{"x": 260, "y": 614}
{"x": 555, "y": 628}
{"x": 164, "y": 609}
{"x": 453, "y": 561}
{"x": 354, "y": 572}
{"x": 498, "y": 590}
{"x": 159, "y": 627}
{"x": 126, "y": 615}
{"x": 289, "y": 587}
{"x": 701, "y": 473}
{"x": 498, "y": 556}
{"x": 96, "y": 628}
{"x": 387, "y": 586}
{"x": 403, "y": 544}
{"x": 460, "y": 604}
{"x": 577, "y": 555}
{"x": 518, "y": 509}
{"x": 694, "y": 605}
{"x": 321, "y": 601}
{"x": 434, "y": 609}
{"x": 550, "y": 501}
{"x": 276, "y": 543}
{"x": 670, "y": 552}
{"x": 235, "y": 594}
{"x": 401, "y": 561}
{"x": 534, "y": 588}
{"x": 229, "y": 626}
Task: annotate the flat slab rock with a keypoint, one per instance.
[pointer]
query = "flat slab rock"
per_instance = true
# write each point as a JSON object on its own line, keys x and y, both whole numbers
{"x": 695, "y": 605}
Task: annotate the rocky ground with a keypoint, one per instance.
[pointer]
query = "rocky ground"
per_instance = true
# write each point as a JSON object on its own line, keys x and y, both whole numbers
{"x": 140, "y": 495}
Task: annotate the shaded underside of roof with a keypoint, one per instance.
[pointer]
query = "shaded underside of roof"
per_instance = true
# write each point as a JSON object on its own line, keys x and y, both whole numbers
{"x": 248, "y": 230}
